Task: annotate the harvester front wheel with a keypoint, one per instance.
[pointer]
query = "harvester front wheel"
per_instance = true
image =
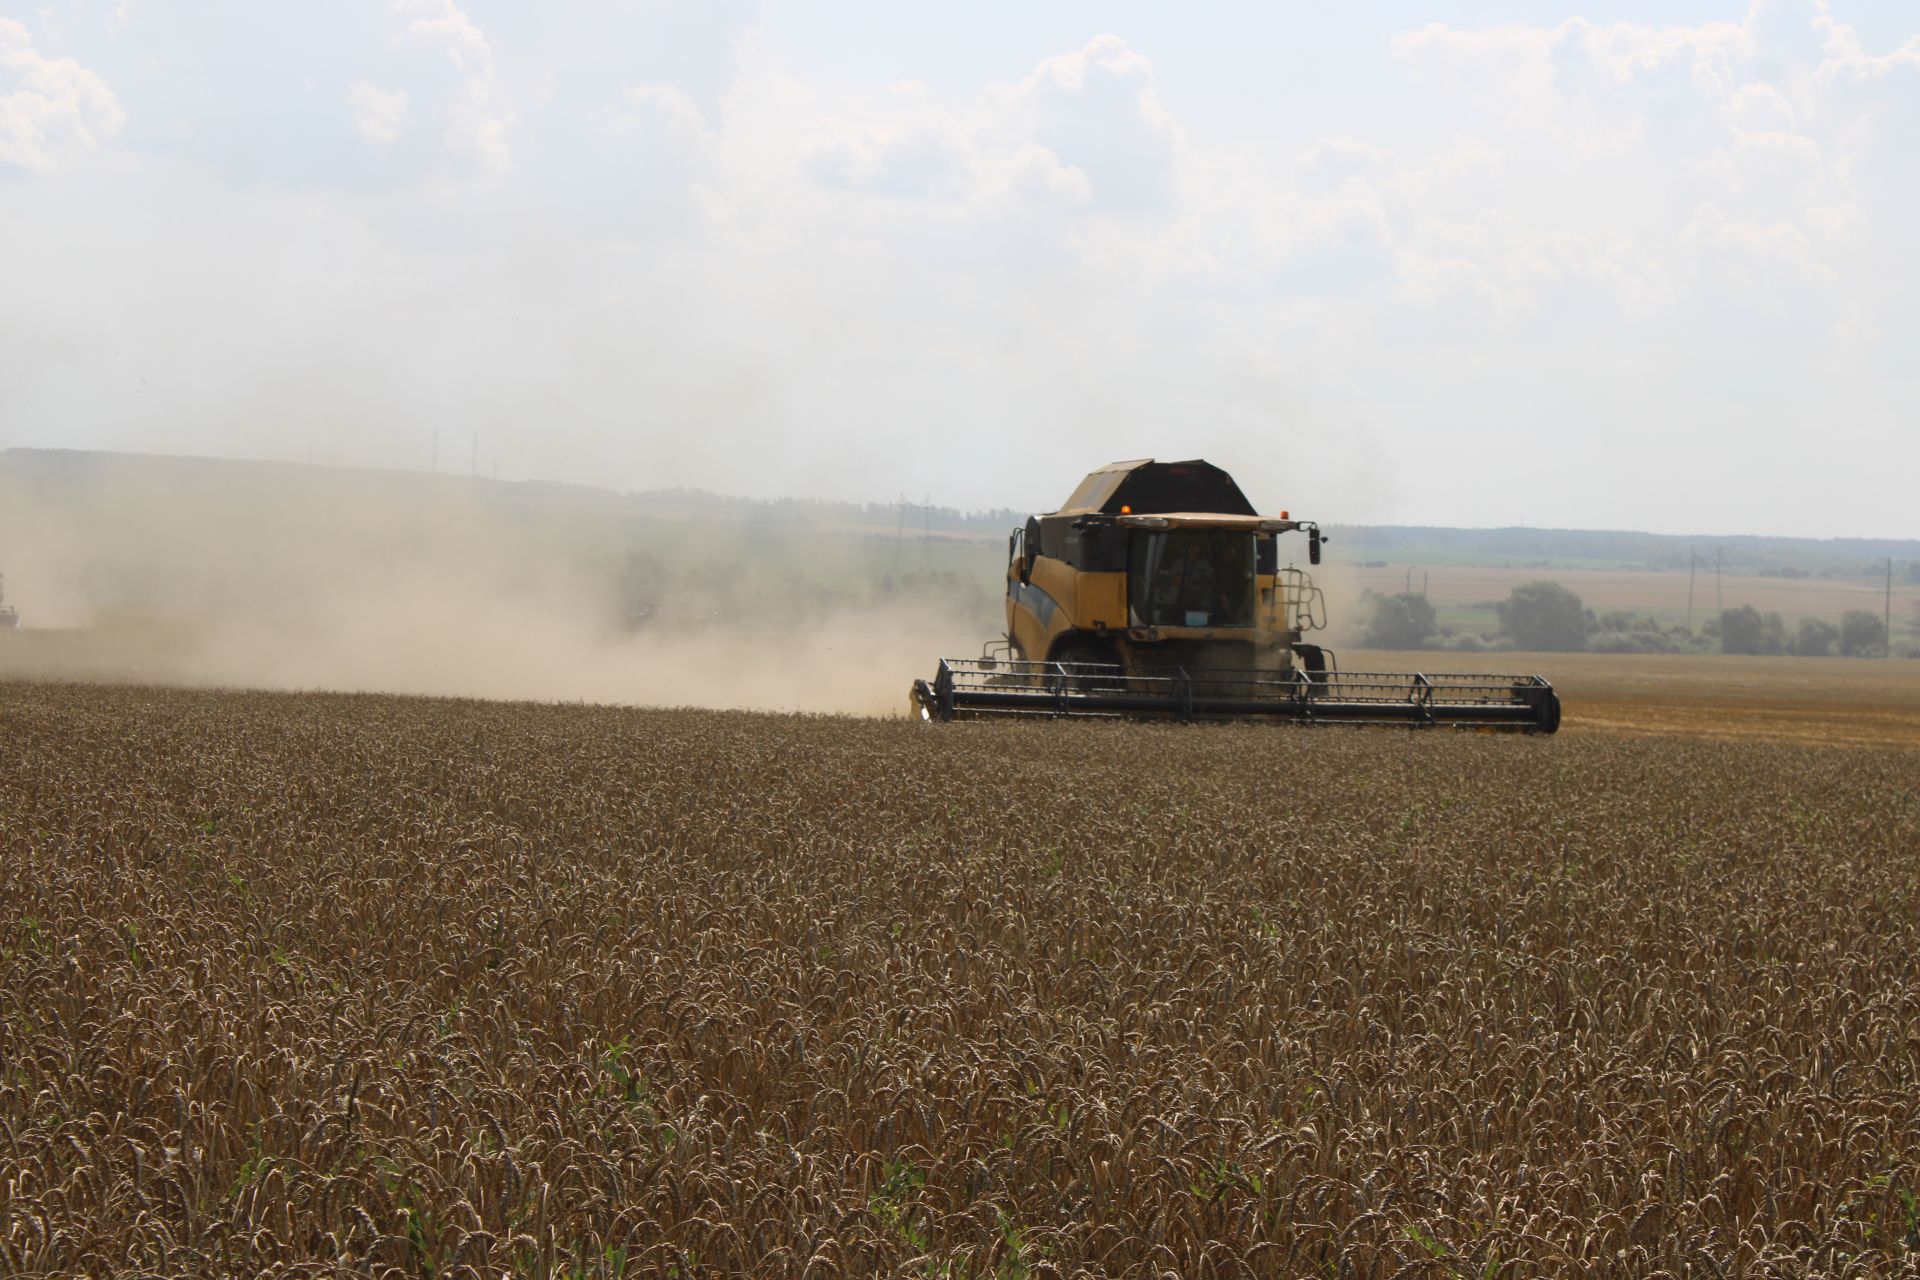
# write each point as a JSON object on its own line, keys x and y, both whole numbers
{"x": 1090, "y": 653}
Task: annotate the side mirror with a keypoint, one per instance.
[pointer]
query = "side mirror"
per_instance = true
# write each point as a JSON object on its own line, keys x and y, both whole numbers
{"x": 1313, "y": 546}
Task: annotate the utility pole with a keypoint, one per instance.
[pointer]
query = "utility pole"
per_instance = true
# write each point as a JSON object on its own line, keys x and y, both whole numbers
{"x": 900, "y": 534}
{"x": 926, "y": 533}
{"x": 1887, "y": 615}
{"x": 1423, "y": 584}
{"x": 1719, "y": 601}
{"x": 1693, "y": 564}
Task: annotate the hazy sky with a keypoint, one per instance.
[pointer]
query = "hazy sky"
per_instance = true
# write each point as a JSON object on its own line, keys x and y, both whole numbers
{"x": 1624, "y": 265}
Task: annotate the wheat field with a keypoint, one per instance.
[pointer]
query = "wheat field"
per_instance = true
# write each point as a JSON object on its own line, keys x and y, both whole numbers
{"x": 305, "y": 984}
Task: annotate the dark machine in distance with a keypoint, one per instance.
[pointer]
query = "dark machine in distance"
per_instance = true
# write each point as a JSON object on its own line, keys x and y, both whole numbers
{"x": 1157, "y": 591}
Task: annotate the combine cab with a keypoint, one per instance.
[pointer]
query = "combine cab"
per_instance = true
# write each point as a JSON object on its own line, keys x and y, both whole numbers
{"x": 9, "y": 616}
{"x": 1156, "y": 592}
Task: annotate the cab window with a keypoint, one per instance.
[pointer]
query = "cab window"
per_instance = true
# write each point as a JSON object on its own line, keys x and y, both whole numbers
{"x": 1191, "y": 578}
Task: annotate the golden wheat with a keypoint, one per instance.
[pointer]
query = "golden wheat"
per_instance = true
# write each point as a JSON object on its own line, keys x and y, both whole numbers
{"x": 304, "y": 984}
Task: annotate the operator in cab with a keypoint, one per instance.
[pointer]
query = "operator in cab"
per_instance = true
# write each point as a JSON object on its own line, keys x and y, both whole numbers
{"x": 1194, "y": 583}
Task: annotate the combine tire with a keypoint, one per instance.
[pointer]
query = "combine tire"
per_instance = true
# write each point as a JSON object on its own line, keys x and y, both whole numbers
{"x": 1089, "y": 653}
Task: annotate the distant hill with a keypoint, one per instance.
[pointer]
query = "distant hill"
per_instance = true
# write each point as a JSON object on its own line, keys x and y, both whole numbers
{"x": 1761, "y": 554}
{"x": 892, "y": 533}
{"x": 49, "y": 471}
{"x": 87, "y": 535}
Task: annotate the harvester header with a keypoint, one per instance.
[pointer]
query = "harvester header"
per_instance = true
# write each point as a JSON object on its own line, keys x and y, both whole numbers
{"x": 1157, "y": 591}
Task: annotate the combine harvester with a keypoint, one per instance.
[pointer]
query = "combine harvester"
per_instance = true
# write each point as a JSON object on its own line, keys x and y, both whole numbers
{"x": 1156, "y": 592}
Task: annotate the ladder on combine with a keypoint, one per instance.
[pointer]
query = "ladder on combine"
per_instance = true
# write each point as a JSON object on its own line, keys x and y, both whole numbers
{"x": 967, "y": 689}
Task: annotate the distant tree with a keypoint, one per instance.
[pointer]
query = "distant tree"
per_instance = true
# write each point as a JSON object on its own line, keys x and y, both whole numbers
{"x": 1546, "y": 616}
{"x": 1862, "y": 634}
{"x": 1742, "y": 630}
{"x": 1773, "y": 634}
{"x": 1404, "y": 621}
{"x": 1815, "y": 638}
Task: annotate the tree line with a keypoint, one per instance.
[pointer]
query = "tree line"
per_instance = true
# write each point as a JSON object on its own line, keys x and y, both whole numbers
{"x": 1546, "y": 616}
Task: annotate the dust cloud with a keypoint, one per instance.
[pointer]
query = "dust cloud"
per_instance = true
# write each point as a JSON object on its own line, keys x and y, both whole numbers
{"x": 205, "y": 573}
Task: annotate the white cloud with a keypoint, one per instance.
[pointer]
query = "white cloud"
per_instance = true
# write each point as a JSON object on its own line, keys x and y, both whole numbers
{"x": 677, "y": 115}
{"x": 1760, "y": 108}
{"x": 379, "y": 114}
{"x": 1755, "y": 248}
{"x": 1098, "y": 111}
{"x": 446, "y": 26}
{"x": 1084, "y": 130}
{"x": 734, "y": 276}
{"x": 1845, "y": 56}
{"x": 1668, "y": 151}
{"x": 477, "y": 124}
{"x": 50, "y": 108}
{"x": 1332, "y": 163}
{"x": 1535, "y": 61}
{"x": 477, "y": 133}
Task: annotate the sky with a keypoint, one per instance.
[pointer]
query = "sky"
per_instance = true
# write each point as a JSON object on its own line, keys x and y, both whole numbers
{"x": 1630, "y": 265}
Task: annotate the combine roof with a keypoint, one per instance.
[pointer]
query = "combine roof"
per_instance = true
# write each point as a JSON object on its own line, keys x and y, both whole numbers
{"x": 1146, "y": 487}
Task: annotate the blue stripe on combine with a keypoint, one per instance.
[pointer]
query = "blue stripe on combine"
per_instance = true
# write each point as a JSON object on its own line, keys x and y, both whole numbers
{"x": 1035, "y": 601}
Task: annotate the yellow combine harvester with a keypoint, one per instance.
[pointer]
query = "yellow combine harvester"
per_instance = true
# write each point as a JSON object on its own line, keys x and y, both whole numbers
{"x": 1156, "y": 591}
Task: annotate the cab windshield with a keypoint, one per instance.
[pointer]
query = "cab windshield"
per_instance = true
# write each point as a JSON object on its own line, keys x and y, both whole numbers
{"x": 1191, "y": 578}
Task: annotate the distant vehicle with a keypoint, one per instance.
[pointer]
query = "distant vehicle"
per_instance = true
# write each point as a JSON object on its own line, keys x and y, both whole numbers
{"x": 1156, "y": 592}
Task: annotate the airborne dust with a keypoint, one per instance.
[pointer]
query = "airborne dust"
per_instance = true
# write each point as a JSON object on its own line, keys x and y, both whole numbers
{"x": 274, "y": 576}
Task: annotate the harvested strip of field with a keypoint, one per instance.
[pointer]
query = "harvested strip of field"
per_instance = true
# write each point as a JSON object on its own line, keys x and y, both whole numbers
{"x": 1828, "y": 702}
{"x": 301, "y": 982}
{"x": 1848, "y": 702}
